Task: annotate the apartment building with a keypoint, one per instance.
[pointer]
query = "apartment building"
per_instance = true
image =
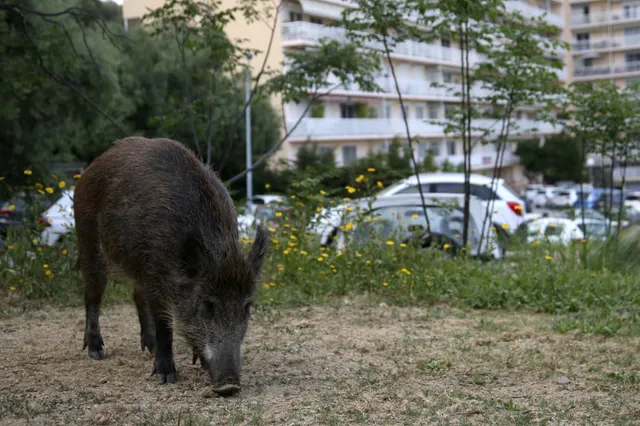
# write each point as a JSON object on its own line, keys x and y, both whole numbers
{"x": 605, "y": 42}
{"x": 352, "y": 122}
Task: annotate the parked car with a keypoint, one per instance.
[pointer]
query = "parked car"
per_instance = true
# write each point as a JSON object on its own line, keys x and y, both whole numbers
{"x": 565, "y": 231}
{"x": 21, "y": 208}
{"x": 543, "y": 196}
{"x": 401, "y": 218}
{"x": 264, "y": 199}
{"x": 597, "y": 198}
{"x": 506, "y": 214}
{"x": 58, "y": 219}
{"x": 563, "y": 197}
{"x": 531, "y": 190}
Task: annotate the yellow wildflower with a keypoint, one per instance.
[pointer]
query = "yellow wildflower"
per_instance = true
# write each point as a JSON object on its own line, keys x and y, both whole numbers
{"x": 45, "y": 266}
{"x": 65, "y": 252}
{"x": 293, "y": 237}
{"x": 76, "y": 176}
{"x": 271, "y": 229}
{"x": 404, "y": 271}
{"x": 278, "y": 214}
{"x": 325, "y": 255}
{"x": 320, "y": 259}
{"x": 389, "y": 243}
{"x": 371, "y": 170}
{"x": 49, "y": 190}
{"x": 385, "y": 284}
{"x": 349, "y": 209}
{"x": 360, "y": 179}
{"x": 293, "y": 197}
{"x": 380, "y": 184}
{"x": 303, "y": 253}
{"x": 536, "y": 242}
{"x": 367, "y": 262}
{"x": 446, "y": 246}
{"x": 350, "y": 189}
{"x": 48, "y": 272}
{"x": 319, "y": 210}
{"x": 12, "y": 207}
{"x": 39, "y": 185}
{"x": 62, "y": 184}
{"x": 347, "y": 227}
{"x": 11, "y": 247}
{"x": 323, "y": 192}
{"x": 414, "y": 216}
{"x": 505, "y": 226}
{"x": 403, "y": 245}
{"x": 12, "y": 288}
{"x": 266, "y": 286}
{"x": 1, "y": 178}
{"x": 267, "y": 186}
{"x": 286, "y": 252}
{"x": 271, "y": 300}
{"x": 548, "y": 257}
{"x": 28, "y": 172}
{"x": 584, "y": 241}
{"x": 34, "y": 241}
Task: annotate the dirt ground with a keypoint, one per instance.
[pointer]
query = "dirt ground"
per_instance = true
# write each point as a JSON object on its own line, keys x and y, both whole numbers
{"x": 348, "y": 364}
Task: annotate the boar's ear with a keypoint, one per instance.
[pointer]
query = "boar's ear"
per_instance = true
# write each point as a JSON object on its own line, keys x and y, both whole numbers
{"x": 193, "y": 254}
{"x": 258, "y": 250}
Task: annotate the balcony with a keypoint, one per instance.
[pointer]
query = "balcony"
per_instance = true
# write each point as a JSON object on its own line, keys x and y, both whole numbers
{"x": 420, "y": 89}
{"x": 617, "y": 69}
{"x": 609, "y": 17}
{"x": 301, "y": 32}
{"x": 329, "y": 129}
{"x": 529, "y": 11}
{"x": 630, "y": 173}
{"x": 617, "y": 43}
{"x": 480, "y": 160}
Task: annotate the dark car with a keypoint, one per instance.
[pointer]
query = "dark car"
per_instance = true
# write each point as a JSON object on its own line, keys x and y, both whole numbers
{"x": 21, "y": 208}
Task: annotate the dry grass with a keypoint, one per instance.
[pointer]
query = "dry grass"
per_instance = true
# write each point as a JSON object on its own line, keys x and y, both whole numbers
{"x": 327, "y": 365}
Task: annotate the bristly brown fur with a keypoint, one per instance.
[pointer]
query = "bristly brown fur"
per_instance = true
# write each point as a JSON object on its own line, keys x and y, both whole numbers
{"x": 151, "y": 208}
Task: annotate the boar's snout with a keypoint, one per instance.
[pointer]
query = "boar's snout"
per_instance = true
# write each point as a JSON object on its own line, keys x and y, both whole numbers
{"x": 224, "y": 370}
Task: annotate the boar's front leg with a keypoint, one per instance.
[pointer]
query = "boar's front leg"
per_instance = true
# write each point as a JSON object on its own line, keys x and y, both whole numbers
{"x": 147, "y": 324}
{"x": 164, "y": 367}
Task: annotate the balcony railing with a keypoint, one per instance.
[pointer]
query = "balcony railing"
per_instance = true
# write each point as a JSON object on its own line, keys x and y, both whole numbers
{"x": 480, "y": 160}
{"x": 529, "y": 11}
{"x": 631, "y": 172}
{"x": 625, "y": 68}
{"x": 605, "y": 17}
{"x": 606, "y": 43}
{"x": 310, "y": 32}
{"x": 363, "y": 128}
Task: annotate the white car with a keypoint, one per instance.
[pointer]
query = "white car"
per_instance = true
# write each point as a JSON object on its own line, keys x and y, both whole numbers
{"x": 261, "y": 199}
{"x": 531, "y": 191}
{"x": 58, "y": 219}
{"x": 565, "y": 231}
{"x": 544, "y": 195}
{"x": 399, "y": 216}
{"x": 506, "y": 215}
{"x": 563, "y": 198}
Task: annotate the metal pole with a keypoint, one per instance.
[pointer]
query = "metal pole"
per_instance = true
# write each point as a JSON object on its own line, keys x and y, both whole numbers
{"x": 247, "y": 91}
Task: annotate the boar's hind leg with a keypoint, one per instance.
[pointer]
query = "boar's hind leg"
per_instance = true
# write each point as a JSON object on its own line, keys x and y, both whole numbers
{"x": 163, "y": 367}
{"x": 94, "y": 272}
{"x": 147, "y": 325}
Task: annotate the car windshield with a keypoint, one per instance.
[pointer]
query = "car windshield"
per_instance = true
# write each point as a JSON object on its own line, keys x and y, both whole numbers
{"x": 400, "y": 222}
{"x": 564, "y": 193}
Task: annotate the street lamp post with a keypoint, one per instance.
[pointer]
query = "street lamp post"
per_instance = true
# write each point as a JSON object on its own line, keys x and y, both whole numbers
{"x": 247, "y": 91}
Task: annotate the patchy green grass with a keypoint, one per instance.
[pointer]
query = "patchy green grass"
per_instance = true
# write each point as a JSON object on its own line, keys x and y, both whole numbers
{"x": 353, "y": 362}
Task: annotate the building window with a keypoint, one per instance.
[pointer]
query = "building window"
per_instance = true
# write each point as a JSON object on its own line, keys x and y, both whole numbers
{"x": 583, "y": 40}
{"x": 434, "y": 111}
{"x": 419, "y": 112}
{"x": 451, "y": 147}
{"x": 445, "y": 42}
{"x": 348, "y": 110}
{"x": 434, "y": 149}
{"x": 295, "y": 16}
{"x": 587, "y": 62}
{"x": 387, "y": 111}
{"x": 447, "y": 77}
{"x": 632, "y": 57}
{"x": 315, "y": 20}
{"x": 405, "y": 108}
{"x": 422, "y": 149}
{"x": 348, "y": 154}
{"x": 631, "y": 11}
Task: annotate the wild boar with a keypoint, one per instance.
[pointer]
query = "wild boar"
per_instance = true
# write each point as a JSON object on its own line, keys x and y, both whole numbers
{"x": 151, "y": 209}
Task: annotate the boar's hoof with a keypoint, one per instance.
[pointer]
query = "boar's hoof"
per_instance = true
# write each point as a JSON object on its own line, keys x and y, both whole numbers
{"x": 96, "y": 346}
{"x": 227, "y": 390}
{"x": 168, "y": 376}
